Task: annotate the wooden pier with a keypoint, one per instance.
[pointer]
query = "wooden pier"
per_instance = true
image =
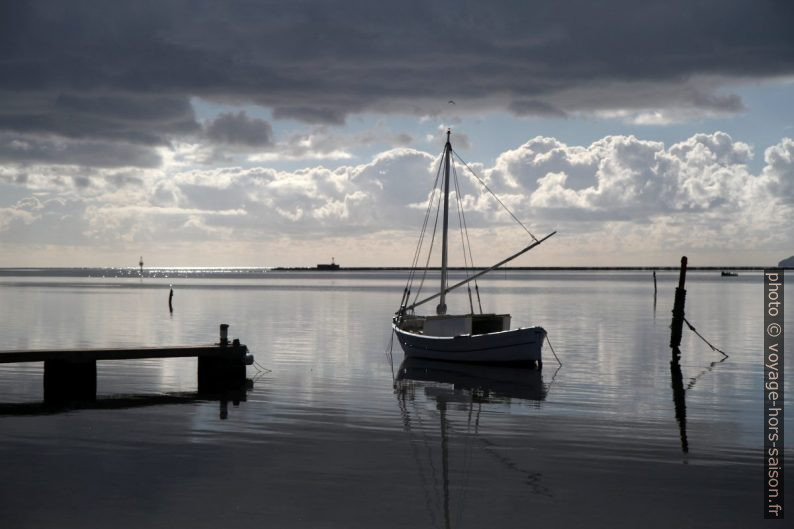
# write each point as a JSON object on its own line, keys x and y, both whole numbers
{"x": 71, "y": 373}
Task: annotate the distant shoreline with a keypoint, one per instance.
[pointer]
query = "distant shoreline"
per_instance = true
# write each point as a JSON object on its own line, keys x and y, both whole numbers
{"x": 251, "y": 271}
{"x": 383, "y": 268}
{"x": 526, "y": 268}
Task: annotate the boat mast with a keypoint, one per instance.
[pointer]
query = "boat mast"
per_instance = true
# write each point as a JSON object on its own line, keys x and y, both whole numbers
{"x": 442, "y": 305}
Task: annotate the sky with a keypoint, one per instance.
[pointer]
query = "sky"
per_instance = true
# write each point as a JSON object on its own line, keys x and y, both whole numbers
{"x": 284, "y": 133}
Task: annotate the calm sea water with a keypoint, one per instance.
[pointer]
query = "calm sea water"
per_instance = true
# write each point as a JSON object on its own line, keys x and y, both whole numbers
{"x": 325, "y": 437}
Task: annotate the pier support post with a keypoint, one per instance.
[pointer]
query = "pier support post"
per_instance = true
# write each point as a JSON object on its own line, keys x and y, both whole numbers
{"x": 224, "y": 338}
{"x": 221, "y": 373}
{"x": 224, "y": 372}
{"x": 69, "y": 380}
{"x": 678, "y": 309}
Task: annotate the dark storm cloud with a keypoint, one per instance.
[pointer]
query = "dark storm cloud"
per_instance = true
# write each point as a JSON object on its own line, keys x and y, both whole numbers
{"x": 126, "y": 70}
{"x": 139, "y": 119}
{"x": 30, "y": 149}
{"x": 535, "y": 108}
{"x": 239, "y": 129}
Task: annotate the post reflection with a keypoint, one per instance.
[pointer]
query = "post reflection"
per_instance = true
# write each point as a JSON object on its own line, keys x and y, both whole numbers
{"x": 456, "y": 394}
{"x": 235, "y": 395}
{"x": 679, "y": 392}
{"x": 484, "y": 383}
{"x": 679, "y": 398}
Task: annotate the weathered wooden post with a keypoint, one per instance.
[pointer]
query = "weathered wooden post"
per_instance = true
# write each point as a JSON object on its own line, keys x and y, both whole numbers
{"x": 224, "y": 334}
{"x": 170, "y": 298}
{"x": 678, "y": 310}
{"x": 654, "y": 282}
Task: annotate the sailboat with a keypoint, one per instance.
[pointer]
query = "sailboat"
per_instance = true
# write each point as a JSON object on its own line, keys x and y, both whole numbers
{"x": 472, "y": 337}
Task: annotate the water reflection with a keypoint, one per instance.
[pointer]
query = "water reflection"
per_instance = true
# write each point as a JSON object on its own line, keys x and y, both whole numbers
{"x": 679, "y": 392}
{"x": 460, "y": 389}
{"x": 679, "y": 398}
{"x": 234, "y": 395}
{"x": 479, "y": 383}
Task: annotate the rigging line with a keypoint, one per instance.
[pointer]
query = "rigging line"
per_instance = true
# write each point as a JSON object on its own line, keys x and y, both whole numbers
{"x": 691, "y": 328}
{"x": 432, "y": 197}
{"x": 418, "y": 251}
{"x": 468, "y": 241}
{"x": 429, "y": 251}
{"x": 494, "y": 195}
{"x": 460, "y": 220}
{"x": 463, "y": 214}
{"x": 429, "y": 208}
{"x": 482, "y": 272}
{"x": 407, "y": 291}
{"x": 412, "y": 274}
{"x": 460, "y": 229}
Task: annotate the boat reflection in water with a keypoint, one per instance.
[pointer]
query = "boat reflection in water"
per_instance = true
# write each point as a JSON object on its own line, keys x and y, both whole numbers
{"x": 458, "y": 392}
{"x": 235, "y": 395}
{"x": 475, "y": 382}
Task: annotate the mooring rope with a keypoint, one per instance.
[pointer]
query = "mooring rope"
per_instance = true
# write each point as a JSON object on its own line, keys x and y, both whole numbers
{"x": 552, "y": 350}
{"x": 261, "y": 368}
{"x": 692, "y": 328}
{"x": 390, "y": 355}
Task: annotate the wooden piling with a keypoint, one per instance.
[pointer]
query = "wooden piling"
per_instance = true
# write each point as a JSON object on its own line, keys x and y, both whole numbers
{"x": 170, "y": 299}
{"x": 654, "y": 282}
{"x": 224, "y": 334}
{"x": 678, "y": 309}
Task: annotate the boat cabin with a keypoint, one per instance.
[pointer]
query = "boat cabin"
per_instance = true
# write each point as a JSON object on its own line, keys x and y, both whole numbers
{"x": 456, "y": 325}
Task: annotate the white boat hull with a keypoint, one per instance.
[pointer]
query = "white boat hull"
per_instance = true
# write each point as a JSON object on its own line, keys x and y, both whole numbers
{"x": 511, "y": 346}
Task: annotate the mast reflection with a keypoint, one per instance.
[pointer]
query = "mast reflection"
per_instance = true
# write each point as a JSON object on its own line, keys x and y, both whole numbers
{"x": 456, "y": 388}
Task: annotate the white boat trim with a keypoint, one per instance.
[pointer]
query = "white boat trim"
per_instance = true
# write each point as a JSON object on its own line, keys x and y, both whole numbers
{"x": 522, "y": 345}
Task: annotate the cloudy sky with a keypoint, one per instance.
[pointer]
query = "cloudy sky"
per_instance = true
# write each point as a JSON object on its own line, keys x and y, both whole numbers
{"x": 283, "y": 133}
